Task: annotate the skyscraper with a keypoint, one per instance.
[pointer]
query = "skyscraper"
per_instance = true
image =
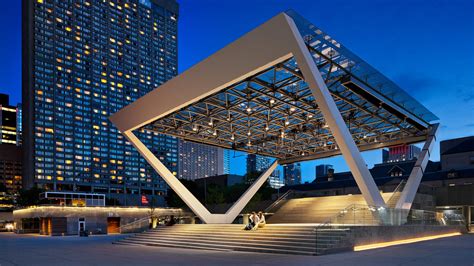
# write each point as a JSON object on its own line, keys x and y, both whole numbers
{"x": 275, "y": 181}
{"x": 10, "y": 150}
{"x": 226, "y": 154}
{"x": 257, "y": 163}
{"x": 83, "y": 61}
{"x": 323, "y": 169}
{"x": 8, "y": 121}
{"x": 292, "y": 174}
{"x": 199, "y": 160}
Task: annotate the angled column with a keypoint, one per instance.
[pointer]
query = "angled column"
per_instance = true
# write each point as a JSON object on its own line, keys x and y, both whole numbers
{"x": 247, "y": 196}
{"x": 191, "y": 201}
{"x": 334, "y": 119}
{"x": 409, "y": 191}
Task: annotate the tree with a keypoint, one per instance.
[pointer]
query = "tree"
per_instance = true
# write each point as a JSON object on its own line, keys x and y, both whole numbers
{"x": 173, "y": 200}
{"x": 215, "y": 194}
{"x": 30, "y": 197}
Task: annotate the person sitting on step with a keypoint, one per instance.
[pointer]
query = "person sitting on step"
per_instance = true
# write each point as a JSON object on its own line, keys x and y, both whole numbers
{"x": 261, "y": 219}
{"x": 253, "y": 223}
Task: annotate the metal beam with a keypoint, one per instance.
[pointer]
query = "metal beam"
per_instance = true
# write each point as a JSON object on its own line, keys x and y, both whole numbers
{"x": 336, "y": 123}
{"x": 191, "y": 201}
{"x": 409, "y": 191}
{"x": 367, "y": 147}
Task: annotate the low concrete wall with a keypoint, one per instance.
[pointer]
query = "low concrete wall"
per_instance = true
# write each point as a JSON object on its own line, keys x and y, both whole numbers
{"x": 365, "y": 235}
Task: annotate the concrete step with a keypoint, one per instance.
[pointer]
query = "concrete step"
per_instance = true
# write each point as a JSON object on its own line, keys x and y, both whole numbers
{"x": 228, "y": 243}
{"x": 282, "y": 239}
{"x": 214, "y": 246}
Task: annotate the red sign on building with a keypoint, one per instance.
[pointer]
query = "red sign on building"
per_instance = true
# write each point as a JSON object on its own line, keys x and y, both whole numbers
{"x": 144, "y": 199}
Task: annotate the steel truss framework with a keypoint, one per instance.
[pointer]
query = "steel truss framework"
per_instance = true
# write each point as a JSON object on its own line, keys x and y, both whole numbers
{"x": 285, "y": 90}
{"x": 274, "y": 112}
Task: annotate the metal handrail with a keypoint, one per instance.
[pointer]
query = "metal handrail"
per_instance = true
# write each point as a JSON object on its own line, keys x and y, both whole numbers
{"x": 134, "y": 222}
{"x": 399, "y": 188}
{"x": 281, "y": 198}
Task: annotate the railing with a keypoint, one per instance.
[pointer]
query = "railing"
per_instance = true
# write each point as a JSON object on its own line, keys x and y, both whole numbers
{"x": 270, "y": 209}
{"x": 363, "y": 215}
{"x": 137, "y": 226}
{"x": 392, "y": 201}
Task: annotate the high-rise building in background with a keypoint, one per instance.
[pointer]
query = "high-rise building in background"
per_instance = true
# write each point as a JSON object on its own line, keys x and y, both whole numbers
{"x": 227, "y": 155}
{"x": 400, "y": 153}
{"x": 10, "y": 150}
{"x": 198, "y": 160}
{"x": 19, "y": 125}
{"x": 257, "y": 163}
{"x": 10, "y": 168}
{"x": 292, "y": 174}
{"x": 8, "y": 121}
{"x": 82, "y": 62}
{"x": 275, "y": 181}
{"x": 323, "y": 170}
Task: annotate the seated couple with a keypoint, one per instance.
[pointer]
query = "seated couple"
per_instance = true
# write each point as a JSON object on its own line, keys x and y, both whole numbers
{"x": 255, "y": 221}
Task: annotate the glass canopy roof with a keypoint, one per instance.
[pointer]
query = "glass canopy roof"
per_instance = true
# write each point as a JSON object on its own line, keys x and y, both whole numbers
{"x": 274, "y": 113}
{"x": 359, "y": 68}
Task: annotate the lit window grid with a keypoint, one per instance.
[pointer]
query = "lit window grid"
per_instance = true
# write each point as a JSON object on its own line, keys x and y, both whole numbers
{"x": 85, "y": 83}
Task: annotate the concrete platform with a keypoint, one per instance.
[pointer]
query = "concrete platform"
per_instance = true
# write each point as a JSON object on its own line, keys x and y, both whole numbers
{"x": 95, "y": 250}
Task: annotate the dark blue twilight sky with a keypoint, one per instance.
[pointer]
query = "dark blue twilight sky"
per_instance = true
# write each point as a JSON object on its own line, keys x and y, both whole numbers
{"x": 427, "y": 47}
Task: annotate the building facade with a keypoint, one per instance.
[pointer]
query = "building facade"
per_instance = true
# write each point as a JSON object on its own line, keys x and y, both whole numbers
{"x": 82, "y": 62}
{"x": 275, "y": 181}
{"x": 9, "y": 128}
{"x": 199, "y": 161}
{"x": 400, "y": 153}
{"x": 10, "y": 168}
{"x": 257, "y": 163}
{"x": 227, "y": 155}
{"x": 323, "y": 169}
{"x": 457, "y": 153}
{"x": 10, "y": 146}
{"x": 292, "y": 174}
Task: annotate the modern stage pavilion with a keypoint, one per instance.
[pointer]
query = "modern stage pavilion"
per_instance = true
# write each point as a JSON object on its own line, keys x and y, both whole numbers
{"x": 286, "y": 90}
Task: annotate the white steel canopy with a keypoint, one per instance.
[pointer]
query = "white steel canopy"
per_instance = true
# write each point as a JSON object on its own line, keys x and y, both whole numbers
{"x": 285, "y": 90}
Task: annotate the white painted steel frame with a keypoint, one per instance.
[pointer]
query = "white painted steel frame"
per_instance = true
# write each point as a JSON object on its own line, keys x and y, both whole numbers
{"x": 241, "y": 59}
{"x": 414, "y": 179}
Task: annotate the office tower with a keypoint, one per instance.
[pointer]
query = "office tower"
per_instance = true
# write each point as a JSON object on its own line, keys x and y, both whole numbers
{"x": 323, "y": 169}
{"x": 275, "y": 181}
{"x": 8, "y": 121}
{"x": 19, "y": 126}
{"x": 10, "y": 168}
{"x": 400, "y": 153}
{"x": 10, "y": 150}
{"x": 227, "y": 155}
{"x": 199, "y": 160}
{"x": 257, "y": 163}
{"x": 83, "y": 61}
{"x": 292, "y": 174}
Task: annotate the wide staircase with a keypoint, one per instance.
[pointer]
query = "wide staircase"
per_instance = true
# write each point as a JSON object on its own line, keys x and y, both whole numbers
{"x": 320, "y": 209}
{"x": 273, "y": 238}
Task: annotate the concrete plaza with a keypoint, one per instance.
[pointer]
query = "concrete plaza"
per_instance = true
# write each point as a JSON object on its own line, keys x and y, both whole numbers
{"x": 98, "y": 250}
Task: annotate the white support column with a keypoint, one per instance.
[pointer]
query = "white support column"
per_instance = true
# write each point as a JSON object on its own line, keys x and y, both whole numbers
{"x": 334, "y": 119}
{"x": 247, "y": 196}
{"x": 409, "y": 191}
{"x": 193, "y": 203}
